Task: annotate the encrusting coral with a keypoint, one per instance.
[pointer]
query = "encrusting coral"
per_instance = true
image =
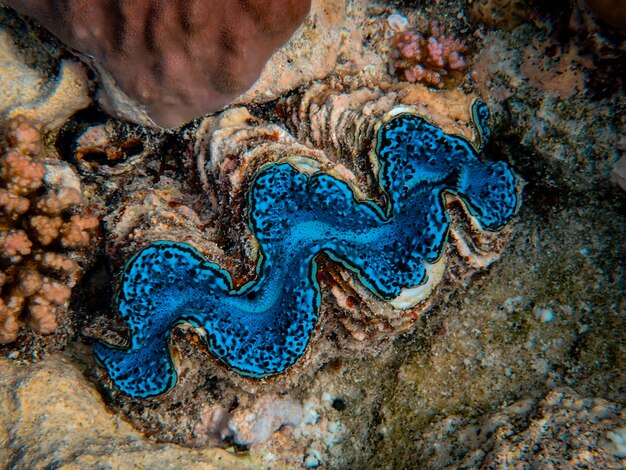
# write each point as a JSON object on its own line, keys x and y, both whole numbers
{"x": 179, "y": 59}
{"x": 436, "y": 59}
{"x": 42, "y": 232}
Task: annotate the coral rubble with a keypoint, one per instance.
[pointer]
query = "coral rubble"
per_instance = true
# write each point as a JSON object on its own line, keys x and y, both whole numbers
{"x": 179, "y": 59}
{"x": 43, "y": 233}
{"x": 435, "y": 59}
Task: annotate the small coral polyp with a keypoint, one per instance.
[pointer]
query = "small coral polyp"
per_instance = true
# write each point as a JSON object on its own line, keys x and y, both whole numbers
{"x": 263, "y": 327}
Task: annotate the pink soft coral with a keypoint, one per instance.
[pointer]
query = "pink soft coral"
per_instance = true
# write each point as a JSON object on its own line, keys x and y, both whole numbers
{"x": 436, "y": 59}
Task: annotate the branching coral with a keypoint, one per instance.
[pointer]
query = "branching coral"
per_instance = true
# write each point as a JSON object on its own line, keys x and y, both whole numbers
{"x": 436, "y": 59}
{"x": 42, "y": 234}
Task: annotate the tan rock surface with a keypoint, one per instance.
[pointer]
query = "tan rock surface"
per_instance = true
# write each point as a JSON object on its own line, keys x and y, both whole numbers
{"x": 54, "y": 418}
{"x": 47, "y": 101}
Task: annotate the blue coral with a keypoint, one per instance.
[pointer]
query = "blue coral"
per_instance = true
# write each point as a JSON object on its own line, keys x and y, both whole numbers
{"x": 264, "y": 326}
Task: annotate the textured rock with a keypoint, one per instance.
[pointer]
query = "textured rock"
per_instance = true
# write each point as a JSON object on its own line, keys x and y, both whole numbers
{"x": 601, "y": 24}
{"x": 52, "y": 416}
{"x": 618, "y": 172}
{"x": 268, "y": 415}
{"x": 528, "y": 91}
{"x": 31, "y": 89}
{"x": 504, "y": 14}
{"x": 562, "y": 429}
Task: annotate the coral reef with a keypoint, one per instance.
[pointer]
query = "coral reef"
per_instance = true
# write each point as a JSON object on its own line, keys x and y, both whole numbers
{"x": 43, "y": 233}
{"x": 188, "y": 59}
{"x": 436, "y": 59}
{"x": 495, "y": 369}
{"x": 262, "y": 327}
